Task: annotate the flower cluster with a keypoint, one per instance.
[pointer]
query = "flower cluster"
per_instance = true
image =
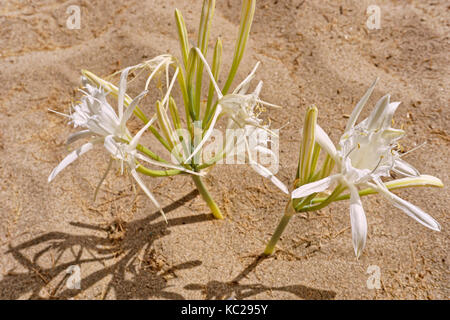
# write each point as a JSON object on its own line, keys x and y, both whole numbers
{"x": 102, "y": 125}
{"x": 366, "y": 153}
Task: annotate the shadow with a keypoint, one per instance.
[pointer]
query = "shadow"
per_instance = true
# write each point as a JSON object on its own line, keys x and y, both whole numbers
{"x": 129, "y": 265}
{"x": 234, "y": 290}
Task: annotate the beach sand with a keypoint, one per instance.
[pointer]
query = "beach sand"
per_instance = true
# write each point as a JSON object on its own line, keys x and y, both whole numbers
{"x": 311, "y": 52}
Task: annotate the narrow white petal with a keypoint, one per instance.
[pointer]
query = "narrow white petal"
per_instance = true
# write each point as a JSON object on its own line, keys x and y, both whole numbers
{"x": 359, "y": 106}
{"x": 112, "y": 147}
{"x": 263, "y": 171}
{"x": 211, "y": 76}
{"x": 243, "y": 86}
{"x": 78, "y": 135}
{"x": 258, "y": 89}
{"x": 135, "y": 140}
{"x": 313, "y": 187}
{"x": 147, "y": 192}
{"x": 411, "y": 210}
{"x": 391, "y": 134}
{"x": 389, "y": 114}
{"x": 325, "y": 142}
{"x": 404, "y": 168}
{"x": 379, "y": 114}
{"x": 165, "y": 101}
{"x": 102, "y": 129}
{"x": 129, "y": 111}
{"x": 265, "y": 103}
{"x": 122, "y": 90}
{"x": 358, "y": 222}
{"x": 147, "y": 83}
{"x": 71, "y": 157}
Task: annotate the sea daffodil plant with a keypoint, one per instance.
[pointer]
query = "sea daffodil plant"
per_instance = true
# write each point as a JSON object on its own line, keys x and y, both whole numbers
{"x": 366, "y": 152}
{"x": 102, "y": 124}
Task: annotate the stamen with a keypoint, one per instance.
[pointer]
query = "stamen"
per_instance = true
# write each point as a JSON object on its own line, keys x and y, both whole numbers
{"x": 353, "y": 149}
{"x": 269, "y": 104}
{"x": 378, "y": 164}
{"x": 413, "y": 149}
{"x": 60, "y": 113}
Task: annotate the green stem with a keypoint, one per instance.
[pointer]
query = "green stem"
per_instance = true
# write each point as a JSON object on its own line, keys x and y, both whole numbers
{"x": 288, "y": 214}
{"x": 207, "y": 197}
{"x": 332, "y": 197}
{"x": 158, "y": 173}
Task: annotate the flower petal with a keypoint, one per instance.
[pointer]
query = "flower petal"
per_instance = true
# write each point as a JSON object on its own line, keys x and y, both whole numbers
{"x": 112, "y": 147}
{"x": 359, "y": 106}
{"x": 134, "y": 142}
{"x": 78, "y": 135}
{"x": 122, "y": 90}
{"x": 71, "y": 157}
{"x": 211, "y": 76}
{"x": 404, "y": 168}
{"x": 313, "y": 187}
{"x": 411, "y": 210}
{"x": 129, "y": 111}
{"x": 325, "y": 143}
{"x": 378, "y": 116}
{"x": 242, "y": 88}
{"x": 390, "y": 135}
{"x": 358, "y": 222}
{"x": 389, "y": 114}
{"x": 147, "y": 192}
{"x": 263, "y": 171}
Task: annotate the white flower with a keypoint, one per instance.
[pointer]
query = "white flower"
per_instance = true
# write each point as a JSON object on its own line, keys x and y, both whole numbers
{"x": 101, "y": 123}
{"x": 98, "y": 119}
{"x": 243, "y": 110}
{"x": 127, "y": 154}
{"x": 365, "y": 154}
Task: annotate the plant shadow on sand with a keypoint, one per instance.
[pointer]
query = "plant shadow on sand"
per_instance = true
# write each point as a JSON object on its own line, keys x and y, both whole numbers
{"x": 118, "y": 258}
{"x": 118, "y": 253}
{"x": 234, "y": 290}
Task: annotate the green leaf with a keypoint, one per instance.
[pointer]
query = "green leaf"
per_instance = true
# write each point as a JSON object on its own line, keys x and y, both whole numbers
{"x": 190, "y": 71}
{"x": 307, "y": 146}
{"x": 247, "y": 13}
{"x": 183, "y": 36}
{"x": 202, "y": 43}
{"x": 217, "y": 61}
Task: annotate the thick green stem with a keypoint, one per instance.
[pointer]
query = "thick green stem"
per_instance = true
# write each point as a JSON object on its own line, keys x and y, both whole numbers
{"x": 207, "y": 197}
{"x": 288, "y": 214}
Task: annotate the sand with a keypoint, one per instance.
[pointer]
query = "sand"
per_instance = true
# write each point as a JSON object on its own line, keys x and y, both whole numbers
{"x": 311, "y": 52}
